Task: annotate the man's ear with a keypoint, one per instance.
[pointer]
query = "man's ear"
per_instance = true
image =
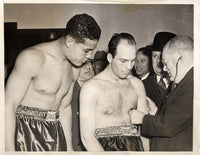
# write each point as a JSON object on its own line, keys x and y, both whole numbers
{"x": 180, "y": 54}
{"x": 69, "y": 41}
{"x": 109, "y": 57}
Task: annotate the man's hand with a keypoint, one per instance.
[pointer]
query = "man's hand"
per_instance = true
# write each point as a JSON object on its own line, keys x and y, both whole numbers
{"x": 152, "y": 108}
{"x": 136, "y": 116}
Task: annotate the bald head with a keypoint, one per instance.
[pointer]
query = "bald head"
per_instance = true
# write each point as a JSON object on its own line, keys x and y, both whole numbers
{"x": 178, "y": 57}
{"x": 178, "y": 44}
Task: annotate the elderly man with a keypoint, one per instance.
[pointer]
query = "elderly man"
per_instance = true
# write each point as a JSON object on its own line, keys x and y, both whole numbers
{"x": 39, "y": 89}
{"x": 106, "y": 99}
{"x": 171, "y": 127}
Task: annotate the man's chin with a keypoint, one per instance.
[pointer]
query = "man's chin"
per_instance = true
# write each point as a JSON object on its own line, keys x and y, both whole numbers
{"x": 138, "y": 73}
{"x": 124, "y": 76}
{"x": 171, "y": 78}
{"x": 158, "y": 72}
{"x": 77, "y": 65}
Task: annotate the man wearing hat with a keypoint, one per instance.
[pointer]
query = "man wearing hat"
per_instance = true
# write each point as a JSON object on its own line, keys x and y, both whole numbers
{"x": 158, "y": 83}
{"x": 171, "y": 128}
{"x": 100, "y": 61}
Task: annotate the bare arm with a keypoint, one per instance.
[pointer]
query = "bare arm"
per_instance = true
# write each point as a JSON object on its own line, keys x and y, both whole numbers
{"x": 88, "y": 99}
{"x": 152, "y": 108}
{"x": 25, "y": 69}
{"x": 142, "y": 104}
{"x": 66, "y": 117}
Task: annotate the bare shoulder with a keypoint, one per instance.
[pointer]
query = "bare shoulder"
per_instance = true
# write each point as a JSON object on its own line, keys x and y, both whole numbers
{"x": 30, "y": 59}
{"x": 137, "y": 84}
{"x": 91, "y": 85}
{"x": 134, "y": 80}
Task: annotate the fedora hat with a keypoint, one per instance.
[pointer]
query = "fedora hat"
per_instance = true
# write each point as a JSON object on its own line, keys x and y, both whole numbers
{"x": 160, "y": 39}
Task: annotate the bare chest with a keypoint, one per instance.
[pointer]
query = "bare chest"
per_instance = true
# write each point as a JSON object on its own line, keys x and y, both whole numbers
{"x": 118, "y": 99}
{"x": 53, "y": 78}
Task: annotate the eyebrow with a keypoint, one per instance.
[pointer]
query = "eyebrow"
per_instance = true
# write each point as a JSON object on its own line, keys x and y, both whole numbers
{"x": 87, "y": 49}
{"x": 126, "y": 59}
{"x": 90, "y": 49}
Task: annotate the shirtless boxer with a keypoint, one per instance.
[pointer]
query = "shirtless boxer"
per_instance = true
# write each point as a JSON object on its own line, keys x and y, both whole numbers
{"x": 107, "y": 98}
{"x": 39, "y": 89}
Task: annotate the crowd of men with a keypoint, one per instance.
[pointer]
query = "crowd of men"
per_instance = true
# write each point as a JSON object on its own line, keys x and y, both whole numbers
{"x": 60, "y": 98}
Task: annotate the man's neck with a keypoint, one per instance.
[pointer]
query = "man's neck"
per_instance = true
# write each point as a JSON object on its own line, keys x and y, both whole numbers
{"x": 183, "y": 73}
{"x": 62, "y": 48}
{"x": 112, "y": 76}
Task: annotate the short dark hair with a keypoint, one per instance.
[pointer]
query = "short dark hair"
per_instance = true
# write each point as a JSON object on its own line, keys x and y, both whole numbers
{"x": 82, "y": 26}
{"x": 116, "y": 38}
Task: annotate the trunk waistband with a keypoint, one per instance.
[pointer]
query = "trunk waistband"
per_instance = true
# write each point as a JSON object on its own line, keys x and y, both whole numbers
{"x": 36, "y": 113}
{"x": 126, "y": 130}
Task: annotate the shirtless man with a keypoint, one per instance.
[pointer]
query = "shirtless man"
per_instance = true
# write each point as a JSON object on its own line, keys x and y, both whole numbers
{"x": 106, "y": 99}
{"x": 39, "y": 89}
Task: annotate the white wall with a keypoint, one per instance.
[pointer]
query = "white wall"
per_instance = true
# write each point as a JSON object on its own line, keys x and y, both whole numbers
{"x": 142, "y": 21}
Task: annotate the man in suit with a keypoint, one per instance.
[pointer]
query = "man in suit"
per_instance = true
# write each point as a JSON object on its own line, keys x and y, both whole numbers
{"x": 143, "y": 63}
{"x": 158, "y": 83}
{"x": 171, "y": 127}
{"x": 86, "y": 73}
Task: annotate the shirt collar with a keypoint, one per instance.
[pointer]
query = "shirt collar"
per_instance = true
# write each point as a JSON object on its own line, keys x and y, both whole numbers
{"x": 164, "y": 79}
{"x": 144, "y": 77}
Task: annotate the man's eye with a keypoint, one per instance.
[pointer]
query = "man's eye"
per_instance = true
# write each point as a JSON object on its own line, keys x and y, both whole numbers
{"x": 134, "y": 61}
{"x": 123, "y": 60}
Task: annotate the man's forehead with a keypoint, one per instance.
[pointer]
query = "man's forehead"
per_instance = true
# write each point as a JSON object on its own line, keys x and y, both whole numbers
{"x": 140, "y": 54}
{"x": 126, "y": 57}
{"x": 90, "y": 44}
{"x": 125, "y": 48}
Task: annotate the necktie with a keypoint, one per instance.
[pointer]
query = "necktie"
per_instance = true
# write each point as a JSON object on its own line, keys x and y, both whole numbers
{"x": 162, "y": 83}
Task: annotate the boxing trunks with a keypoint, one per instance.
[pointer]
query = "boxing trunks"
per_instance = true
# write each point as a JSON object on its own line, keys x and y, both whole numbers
{"x": 38, "y": 130}
{"x": 119, "y": 138}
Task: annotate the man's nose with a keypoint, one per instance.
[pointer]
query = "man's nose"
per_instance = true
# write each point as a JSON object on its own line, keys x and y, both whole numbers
{"x": 129, "y": 65}
{"x": 89, "y": 55}
{"x": 137, "y": 64}
{"x": 158, "y": 60}
{"x": 88, "y": 66}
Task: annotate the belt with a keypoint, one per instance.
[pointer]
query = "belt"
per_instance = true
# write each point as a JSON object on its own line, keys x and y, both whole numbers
{"x": 126, "y": 130}
{"x": 36, "y": 113}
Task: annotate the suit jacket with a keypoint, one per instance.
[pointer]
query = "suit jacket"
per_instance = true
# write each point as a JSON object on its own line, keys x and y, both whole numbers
{"x": 153, "y": 89}
{"x": 171, "y": 128}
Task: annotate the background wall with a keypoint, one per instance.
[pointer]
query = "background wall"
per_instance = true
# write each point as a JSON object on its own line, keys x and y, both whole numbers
{"x": 142, "y": 21}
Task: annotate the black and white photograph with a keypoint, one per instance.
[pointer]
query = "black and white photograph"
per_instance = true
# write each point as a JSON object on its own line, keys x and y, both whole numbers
{"x": 99, "y": 77}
